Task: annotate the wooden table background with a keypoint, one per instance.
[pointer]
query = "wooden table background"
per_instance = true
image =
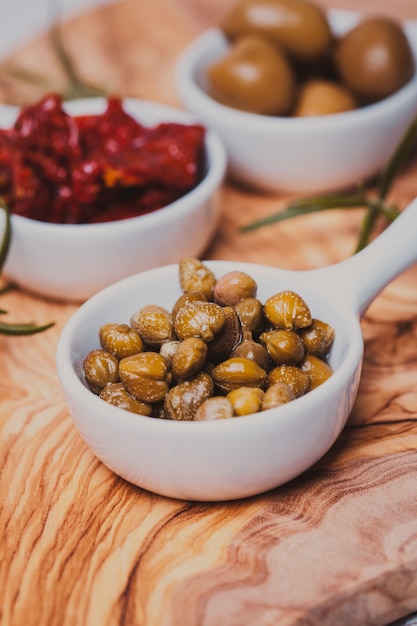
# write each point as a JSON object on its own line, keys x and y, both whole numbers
{"x": 79, "y": 546}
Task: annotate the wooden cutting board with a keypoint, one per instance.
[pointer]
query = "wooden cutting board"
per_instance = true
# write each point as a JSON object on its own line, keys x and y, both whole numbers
{"x": 80, "y": 546}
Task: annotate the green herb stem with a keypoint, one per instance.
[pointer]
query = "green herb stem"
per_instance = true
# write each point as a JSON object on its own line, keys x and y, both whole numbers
{"x": 77, "y": 87}
{"x": 397, "y": 160}
{"x": 5, "y": 242}
{"x": 305, "y": 207}
{"x": 23, "y": 329}
{"x": 5, "y": 328}
{"x": 368, "y": 223}
{"x": 374, "y": 206}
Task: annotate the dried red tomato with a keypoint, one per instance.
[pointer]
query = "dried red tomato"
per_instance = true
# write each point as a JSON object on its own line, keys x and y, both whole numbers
{"x": 95, "y": 168}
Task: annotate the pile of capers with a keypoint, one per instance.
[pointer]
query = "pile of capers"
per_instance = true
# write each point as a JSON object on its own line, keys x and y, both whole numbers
{"x": 284, "y": 59}
{"x": 219, "y": 353}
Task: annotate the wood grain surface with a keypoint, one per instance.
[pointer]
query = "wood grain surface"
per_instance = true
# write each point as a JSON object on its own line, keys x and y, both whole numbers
{"x": 81, "y": 547}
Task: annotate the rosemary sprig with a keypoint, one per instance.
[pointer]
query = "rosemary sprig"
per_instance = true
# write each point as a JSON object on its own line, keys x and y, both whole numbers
{"x": 397, "y": 160}
{"x": 6, "y": 328}
{"x": 368, "y": 224}
{"x": 7, "y": 234}
{"x": 374, "y": 204}
{"x": 77, "y": 88}
{"x": 23, "y": 329}
{"x": 306, "y": 206}
{"x": 74, "y": 86}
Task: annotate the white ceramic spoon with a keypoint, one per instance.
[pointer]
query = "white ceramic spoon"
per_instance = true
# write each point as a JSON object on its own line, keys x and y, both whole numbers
{"x": 238, "y": 457}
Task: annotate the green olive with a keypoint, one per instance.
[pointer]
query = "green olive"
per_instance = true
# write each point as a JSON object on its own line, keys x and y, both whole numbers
{"x": 323, "y": 97}
{"x": 254, "y": 76}
{"x": 374, "y": 59}
{"x": 299, "y": 27}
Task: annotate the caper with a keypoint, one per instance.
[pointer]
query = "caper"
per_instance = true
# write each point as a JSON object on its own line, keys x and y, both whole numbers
{"x": 196, "y": 276}
{"x": 199, "y": 319}
{"x": 254, "y": 356}
{"x": 167, "y": 350}
{"x": 145, "y": 376}
{"x": 116, "y": 394}
{"x": 120, "y": 339}
{"x": 183, "y": 400}
{"x": 227, "y": 338}
{"x": 283, "y": 346}
{"x": 317, "y": 369}
{"x": 189, "y": 357}
{"x": 100, "y": 368}
{"x": 292, "y": 375}
{"x": 317, "y": 338}
{"x": 236, "y": 372}
{"x": 154, "y": 324}
{"x": 233, "y": 287}
{"x": 276, "y": 395}
{"x": 250, "y": 349}
{"x": 250, "y": 313}
{"x": 214, "y": 408}
{"x": 185, "y": 298}
{"x": 246, "y": 400}
{"x": 158, "y": 410}
{"x": 288, "y": 310}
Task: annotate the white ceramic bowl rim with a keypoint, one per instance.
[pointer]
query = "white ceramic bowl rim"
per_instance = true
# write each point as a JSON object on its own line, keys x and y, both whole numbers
{"x": 190, "y": 62}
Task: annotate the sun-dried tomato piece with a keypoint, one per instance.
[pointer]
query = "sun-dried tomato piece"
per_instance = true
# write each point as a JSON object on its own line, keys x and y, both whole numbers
{"x": 6, "y": 174}
{"x": 46, "y": 128}
{"x": 31, "y": 195}
{"x": 92, "y": 168}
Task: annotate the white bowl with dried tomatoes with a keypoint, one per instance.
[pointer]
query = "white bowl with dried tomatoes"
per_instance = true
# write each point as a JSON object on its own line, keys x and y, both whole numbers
{"x": 117, "y": 187}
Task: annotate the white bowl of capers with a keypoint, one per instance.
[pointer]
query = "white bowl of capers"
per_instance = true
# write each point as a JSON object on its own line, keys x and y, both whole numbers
{"x": 220, "y": 380}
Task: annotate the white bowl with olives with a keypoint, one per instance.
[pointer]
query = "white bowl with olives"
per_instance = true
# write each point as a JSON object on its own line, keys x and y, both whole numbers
{"x": 70, "y": 261}
{"x": 330, "y": 125}
{"x": 206, "y": 454}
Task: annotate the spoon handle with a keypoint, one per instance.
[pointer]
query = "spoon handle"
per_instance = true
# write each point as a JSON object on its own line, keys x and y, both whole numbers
{"x": 360, "y": 278}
